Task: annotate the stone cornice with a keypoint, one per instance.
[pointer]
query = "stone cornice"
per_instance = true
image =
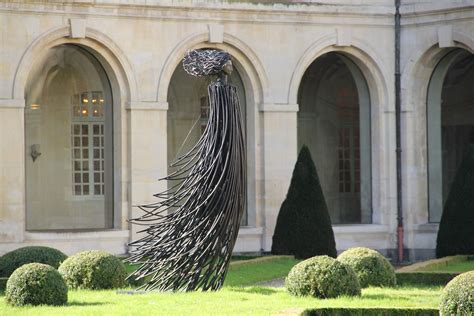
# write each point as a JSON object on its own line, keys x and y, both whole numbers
{"x": 377, "y": 15}
{"x": 436, "y": 12}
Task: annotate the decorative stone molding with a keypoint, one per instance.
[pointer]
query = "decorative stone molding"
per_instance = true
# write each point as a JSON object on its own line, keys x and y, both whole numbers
{"x": 12, "y": 103}
{"x": 216, "y": 33}
{"x": 147, "y": 106}
{"x": 343, "y": 37}
{"x": 78, "y": 28}
{"x": 275, "y": 107}
{"x": 445, "y": 36}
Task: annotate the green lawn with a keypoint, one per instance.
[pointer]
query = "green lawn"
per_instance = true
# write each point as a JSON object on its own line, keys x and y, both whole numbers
{"x": 228, "y": 301}
{"x": 238, "y": 297}
{"x": 453, "y": 267}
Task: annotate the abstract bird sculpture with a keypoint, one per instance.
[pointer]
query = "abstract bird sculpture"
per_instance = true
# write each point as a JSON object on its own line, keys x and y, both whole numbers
{"x": 191, "y": 230}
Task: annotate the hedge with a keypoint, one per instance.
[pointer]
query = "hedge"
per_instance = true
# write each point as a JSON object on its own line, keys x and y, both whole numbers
{"x": 11, "y": 261}
{"x": 370, "y": 266}
{"x": 303, "y": 226}
{"x": 94, "y": 270}
{"x": 322, "y": 277}
{"x": 370, "y": 312}
{"x": 455, "y": 236}
{"x": 3, "y": 284}
{"x": 424, "y": 278}
{"x": 36, "y": 284}
{"x": 457, "y": 297}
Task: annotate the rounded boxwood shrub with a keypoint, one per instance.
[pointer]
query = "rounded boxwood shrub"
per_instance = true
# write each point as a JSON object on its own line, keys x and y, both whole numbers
{"x": 370, "y": 266}
{"x": 11, "y": 261}
{"x": 322, "y": 277}
{"x": 36, "y": 284}
{"x": 93, "y": 269}
{"x": 457, "y": 297}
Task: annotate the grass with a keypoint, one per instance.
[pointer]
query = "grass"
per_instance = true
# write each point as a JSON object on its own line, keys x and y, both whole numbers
{"x": 228, "y": 301}
{"x": 240, "y": 296}
{"x": 454, "y": 267}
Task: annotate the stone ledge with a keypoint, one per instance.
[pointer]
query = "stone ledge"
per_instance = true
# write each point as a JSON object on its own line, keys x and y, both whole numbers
{"x": 75, "y": 235}
{"x": 12, "y": 103}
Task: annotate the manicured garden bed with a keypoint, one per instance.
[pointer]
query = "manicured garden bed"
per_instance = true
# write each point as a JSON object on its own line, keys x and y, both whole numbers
{"x": 436, "y": 271}
{"x": 238, "y": 297}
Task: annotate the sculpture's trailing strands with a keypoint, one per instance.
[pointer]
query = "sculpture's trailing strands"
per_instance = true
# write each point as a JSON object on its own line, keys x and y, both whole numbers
{"x": 190, "y": 232}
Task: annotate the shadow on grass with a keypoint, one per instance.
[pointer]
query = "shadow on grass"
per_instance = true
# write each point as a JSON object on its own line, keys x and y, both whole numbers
{"x": 76, "y": 303}
{"x": 383, "y": 297}
{"x": 254, "y": 290}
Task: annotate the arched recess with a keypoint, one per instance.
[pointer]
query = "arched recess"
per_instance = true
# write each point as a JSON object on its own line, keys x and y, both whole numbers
{"x": 416, "y": 75}
{"x": 118, "y": 74}
{"x": 368, "y": 74}
{"x": 252, "y": 78}
{"x": 450, "y": 123}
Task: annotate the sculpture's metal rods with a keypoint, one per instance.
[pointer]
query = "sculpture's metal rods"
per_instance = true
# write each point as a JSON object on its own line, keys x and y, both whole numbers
{"x": 190, "y": 247}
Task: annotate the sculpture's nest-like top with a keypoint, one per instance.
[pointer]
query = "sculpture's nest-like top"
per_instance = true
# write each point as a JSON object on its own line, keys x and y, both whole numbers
{"x": 205, "y": 62}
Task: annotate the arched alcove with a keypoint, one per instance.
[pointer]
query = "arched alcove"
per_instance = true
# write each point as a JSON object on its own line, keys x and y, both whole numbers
{"x": 69, "y": 142}
{"x": 450, "y": 123}
{"x": 334, "y": 121}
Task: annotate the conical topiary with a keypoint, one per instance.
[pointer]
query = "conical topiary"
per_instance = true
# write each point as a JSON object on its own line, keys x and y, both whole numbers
{"x": 303, "y": 227}
{"x": 456, "y": 229}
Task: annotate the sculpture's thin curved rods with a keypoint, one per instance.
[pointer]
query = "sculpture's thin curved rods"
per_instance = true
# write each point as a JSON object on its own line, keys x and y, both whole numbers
{"x": 190, "y": 247}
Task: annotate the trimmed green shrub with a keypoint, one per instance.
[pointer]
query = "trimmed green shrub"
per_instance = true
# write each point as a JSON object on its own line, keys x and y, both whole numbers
{"x": 370, "y": 266}
{"x": 458, "y": 296}
{"x": 303, "y": 226}
{"x": 424, "y": 278}
{"x": 322, "y": 277}
{"x": 36, "y": 284}
{"x": 11, "y": 261}
{"x": 94, "y": 270}
{"x": 340, "y": 311}
{"x": 3, "y": 284}
{"x": 455, "y": 234}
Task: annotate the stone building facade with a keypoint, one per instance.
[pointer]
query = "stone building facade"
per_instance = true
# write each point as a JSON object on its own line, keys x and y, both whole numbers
{"x": 94, "y": 106}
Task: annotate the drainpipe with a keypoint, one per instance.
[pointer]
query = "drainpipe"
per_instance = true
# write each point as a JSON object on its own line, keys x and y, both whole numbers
{"x": 398, "y": 132}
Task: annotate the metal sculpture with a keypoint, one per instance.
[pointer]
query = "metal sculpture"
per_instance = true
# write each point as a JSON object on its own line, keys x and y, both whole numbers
{"x": 191, "y": 231}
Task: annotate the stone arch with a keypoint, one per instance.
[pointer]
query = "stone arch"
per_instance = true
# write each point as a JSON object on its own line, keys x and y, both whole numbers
{"x": 416, "y": 75}
{"x": 254, "y": 80}
{"x": 374, "y": 71}
{"x": 421, "y": 64}
{"x": 109, "y": 53}
{"x": 360, "y": 53}
{"x": 250, "y": 66}
{"x": 123, "y": 86}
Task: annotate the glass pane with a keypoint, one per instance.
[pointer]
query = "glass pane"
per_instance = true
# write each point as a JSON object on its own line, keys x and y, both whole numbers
{"x": 97, "y": 189}
{"x": 77, "y": 165}
{"x": 86, "y": 190}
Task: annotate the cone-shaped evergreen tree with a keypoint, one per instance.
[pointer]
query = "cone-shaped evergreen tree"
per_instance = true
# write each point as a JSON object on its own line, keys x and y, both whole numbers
{"x": 456, "y": 229}
{"x": 303, "y": 227}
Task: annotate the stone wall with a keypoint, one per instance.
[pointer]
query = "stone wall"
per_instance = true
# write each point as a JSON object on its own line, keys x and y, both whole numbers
{"x": 140, "y": 43}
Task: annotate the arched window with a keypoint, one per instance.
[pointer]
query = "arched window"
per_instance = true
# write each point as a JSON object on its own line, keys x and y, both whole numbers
{"x": 69, "y": 147}
{"x": 189, "y": 109}
{"x": 450, "y": 123}
{"x": 334, "y": 122}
